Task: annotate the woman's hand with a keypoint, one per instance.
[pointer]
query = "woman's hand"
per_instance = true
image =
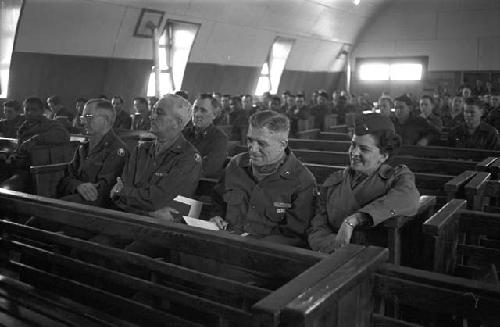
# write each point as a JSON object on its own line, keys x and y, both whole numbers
{"x": 345, "y": 231}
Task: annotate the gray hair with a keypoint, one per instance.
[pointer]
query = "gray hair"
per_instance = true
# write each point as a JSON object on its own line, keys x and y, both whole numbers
{"x": 181, "y": 107}
{"x": 272, "y": 120}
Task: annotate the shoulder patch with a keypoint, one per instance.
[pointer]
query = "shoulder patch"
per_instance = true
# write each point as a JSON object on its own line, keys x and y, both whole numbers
{"x": 197, "y": 157}
{"x": 120, "y": 152}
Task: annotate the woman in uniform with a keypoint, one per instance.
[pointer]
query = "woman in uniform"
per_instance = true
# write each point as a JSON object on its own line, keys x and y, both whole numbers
{"x": 366, "y": 193}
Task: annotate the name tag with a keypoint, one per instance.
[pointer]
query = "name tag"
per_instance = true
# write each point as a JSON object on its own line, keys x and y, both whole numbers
{"x": 280, "y": 210}
{"x": 282, "y": 205}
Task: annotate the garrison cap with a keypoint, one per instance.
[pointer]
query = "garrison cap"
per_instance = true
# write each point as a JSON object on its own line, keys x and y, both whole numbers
{"x": 373, "y": 122}
{"x": 323, "y": 94}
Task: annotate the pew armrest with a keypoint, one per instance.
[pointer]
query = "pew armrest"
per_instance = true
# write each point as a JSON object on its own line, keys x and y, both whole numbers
{"x": 475, "y": 188}
{"x": 486, "y": 164}
{"x": 456, "y": 186}
{"x": 46, "y": 169}
{"x": 438, "y": 223}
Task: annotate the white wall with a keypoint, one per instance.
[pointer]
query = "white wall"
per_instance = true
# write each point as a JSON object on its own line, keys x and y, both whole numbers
{"x": 233, "y": 32}
{"x": 455, "y": 34}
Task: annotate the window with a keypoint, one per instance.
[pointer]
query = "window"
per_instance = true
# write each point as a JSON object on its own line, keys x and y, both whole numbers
{"x": 272, "y": 69}
{"x": 174, "y": 48}
{"x": 9, "y": 16}
{"x": 393, "y": 69}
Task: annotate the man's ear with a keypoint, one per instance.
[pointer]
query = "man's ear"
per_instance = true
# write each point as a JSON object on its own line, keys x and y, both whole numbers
{"x": 284, "y": 143}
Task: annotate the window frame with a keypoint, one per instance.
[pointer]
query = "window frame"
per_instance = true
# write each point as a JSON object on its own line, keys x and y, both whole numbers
{"x": 422, "y": 60}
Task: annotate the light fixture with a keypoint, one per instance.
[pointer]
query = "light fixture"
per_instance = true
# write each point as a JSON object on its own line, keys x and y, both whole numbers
{"x": 356, "y": 2}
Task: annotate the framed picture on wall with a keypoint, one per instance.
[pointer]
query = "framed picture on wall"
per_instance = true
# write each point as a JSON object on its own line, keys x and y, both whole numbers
{"x": 148, "y": 18}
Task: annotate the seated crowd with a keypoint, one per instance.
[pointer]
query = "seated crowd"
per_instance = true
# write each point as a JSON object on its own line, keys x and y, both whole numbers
{"x": 264, "y": 193}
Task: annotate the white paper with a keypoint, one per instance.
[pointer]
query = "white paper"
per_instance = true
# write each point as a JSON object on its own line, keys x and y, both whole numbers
{"x": 195, "y": 209}
{"x": 200, "y": 223}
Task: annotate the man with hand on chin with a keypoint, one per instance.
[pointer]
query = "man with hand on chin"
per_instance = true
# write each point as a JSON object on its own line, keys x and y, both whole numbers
{"x": 267, "y": 192}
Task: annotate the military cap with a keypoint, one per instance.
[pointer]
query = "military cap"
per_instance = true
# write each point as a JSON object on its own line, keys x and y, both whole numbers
{"x": 323, "y": 93}
{"x": 373, "y": 122}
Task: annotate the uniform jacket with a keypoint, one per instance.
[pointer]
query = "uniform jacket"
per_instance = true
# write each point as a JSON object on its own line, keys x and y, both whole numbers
{"x": 50, "y": 132}
{"x": 484, "y": 137}
{"x": 100, "y": 166}
{"x": 151, "y": 182}
{"x": 450, "y": 122}
{"x": 212, "y": 145}
{"x": 414, "y": 129}
{"x": 494, "y": 118}
{"x": 8, "y": 128}
{"x": 385, "y": 194}
{"x": 278, "y": 208}
{"x": 140, "y": 124}
{"x": 239, "y": 121}
{"x": 123, "y": 120}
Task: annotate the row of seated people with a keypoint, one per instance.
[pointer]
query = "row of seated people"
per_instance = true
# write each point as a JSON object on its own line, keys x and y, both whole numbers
{"x": 466, "y": 122}
{"x": 266, "y": 193}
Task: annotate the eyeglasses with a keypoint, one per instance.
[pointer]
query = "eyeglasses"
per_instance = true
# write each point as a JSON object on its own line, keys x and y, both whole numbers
{"x": 89, "y": 117}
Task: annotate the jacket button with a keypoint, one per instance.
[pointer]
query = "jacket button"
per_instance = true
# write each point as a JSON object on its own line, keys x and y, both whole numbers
{"x": 392, "y": 212}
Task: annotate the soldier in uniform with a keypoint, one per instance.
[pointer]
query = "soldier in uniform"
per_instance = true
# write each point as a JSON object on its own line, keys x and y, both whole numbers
{"x": 13, "y": 119}
{"x": 366, "y": 193}
{"x": 35, "y": 130}
{"x": 455, "y": 116}
{"x": 210, "y": 141}
{"x": 267, "y": 192}
{"x": 140, "y": 120}
{"x": 474, "y": 133}
{"x": 159, "y": 171}
{"x": 413, "y": 130}
{"x": 98, "y": 162}
{"x": 123, "y": 120}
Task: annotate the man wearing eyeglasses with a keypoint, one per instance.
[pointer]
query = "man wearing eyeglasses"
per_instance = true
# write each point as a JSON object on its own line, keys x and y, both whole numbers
{"x": 99, "y": 161}
{"x": 210, "y": 141}
{"x": 158, "y": 171}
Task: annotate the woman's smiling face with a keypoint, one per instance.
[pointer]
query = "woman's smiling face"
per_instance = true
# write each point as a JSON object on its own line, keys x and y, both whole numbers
{"x": 365, "y": 155}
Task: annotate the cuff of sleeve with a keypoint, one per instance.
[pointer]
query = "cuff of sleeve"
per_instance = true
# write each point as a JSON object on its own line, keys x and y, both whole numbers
{"x": 378, "y": 215}
{"x": 73, "y": 184}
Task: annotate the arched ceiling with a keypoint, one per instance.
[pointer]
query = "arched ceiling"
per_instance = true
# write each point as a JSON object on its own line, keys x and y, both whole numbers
{"x": 233, "y": 32}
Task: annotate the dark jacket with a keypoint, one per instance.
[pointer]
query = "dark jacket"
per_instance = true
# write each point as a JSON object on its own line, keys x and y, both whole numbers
{"x": 47, "y": 132}
{"x": 484, "y": 137}
{"x": 211, "y": 143}
{"x": 123, "y": 120}
{"x": 385, "y": 194}
{"x": 8, "y": 128}
{"x": 278, "y": 208}
{"x": 100, "y": 166}
{"x": 151, "y": 181}
{"x": 140, "y": 124}
{"x": 416, "y": 128}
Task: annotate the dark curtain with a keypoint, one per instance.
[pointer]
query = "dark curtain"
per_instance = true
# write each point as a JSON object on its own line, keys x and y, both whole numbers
{"x": 43, "y": 75}
{"x": 234, "y": 80}
{"x": 309, "y": 82}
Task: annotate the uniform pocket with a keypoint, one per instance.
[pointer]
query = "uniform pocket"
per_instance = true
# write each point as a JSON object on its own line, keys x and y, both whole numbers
{"x": 275, "y": 214}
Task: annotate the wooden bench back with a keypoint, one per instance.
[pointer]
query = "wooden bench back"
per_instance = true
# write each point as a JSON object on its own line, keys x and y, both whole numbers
{"x": 461, "y": 241}
{"x": 433, "y": 297}
{"x": 147, "y": 291}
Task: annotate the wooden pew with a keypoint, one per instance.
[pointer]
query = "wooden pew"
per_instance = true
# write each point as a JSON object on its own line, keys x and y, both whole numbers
{"x": 150, "y": 292}
{"x": 490, "y": 165}
{"x": 453, "y": 240}
{"x": 432, "y": 299}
